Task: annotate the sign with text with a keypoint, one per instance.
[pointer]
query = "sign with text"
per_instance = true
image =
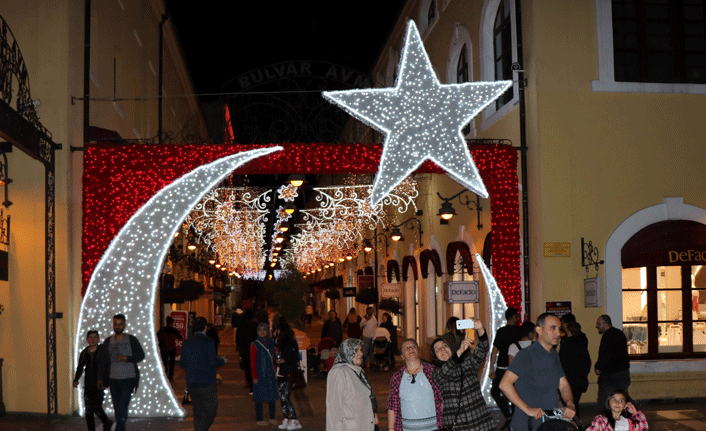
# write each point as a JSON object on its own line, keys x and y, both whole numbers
{"x": 348, "y": 291}
{"x": 391, "y": 290}
{"x": 559, "y": 308}
{"x": 461, "y": 292}
{"x": 366, "y": 281}
{"x": 181, "y": 323}
{"x": 592, "y": 292}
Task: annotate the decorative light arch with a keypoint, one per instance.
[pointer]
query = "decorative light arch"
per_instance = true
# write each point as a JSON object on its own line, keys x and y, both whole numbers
{"x": 119, "y": 179}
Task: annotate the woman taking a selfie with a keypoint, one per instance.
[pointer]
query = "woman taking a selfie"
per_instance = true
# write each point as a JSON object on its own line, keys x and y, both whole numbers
{"x": 457, "y": 377}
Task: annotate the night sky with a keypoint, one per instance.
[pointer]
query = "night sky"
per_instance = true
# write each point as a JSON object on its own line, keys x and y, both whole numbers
{"x": 222, "y": 40}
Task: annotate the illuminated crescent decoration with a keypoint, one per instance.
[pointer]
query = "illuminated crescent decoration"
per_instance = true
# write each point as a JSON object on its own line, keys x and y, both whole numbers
{"x": 125, "y": 280}
{"x": 497, "y": 305}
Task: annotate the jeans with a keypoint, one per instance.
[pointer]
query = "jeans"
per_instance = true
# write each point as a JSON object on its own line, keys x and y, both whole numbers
{"x": 205, "y": 401}
{"x": 258, "y": 410}
{"x": 608, "y": 382}
{"x": 168, "y": 359}
{"x": 93, "y": 400}
{"x": 120, "y": 391}
{"x": 367, "y": 350}
{"x": 499, "y": 398}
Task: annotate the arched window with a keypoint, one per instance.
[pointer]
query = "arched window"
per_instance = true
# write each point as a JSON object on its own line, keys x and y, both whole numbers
{"x": 428, "y": 15}
{"x": 459, "y": 66}
{"x": 664, "y": 290}
{"x": 502, "y": 49}
{"x": 498, "y": 42}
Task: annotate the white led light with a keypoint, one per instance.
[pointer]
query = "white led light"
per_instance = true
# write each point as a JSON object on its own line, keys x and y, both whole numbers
{"x": 421, "y": 119}
{"x": 497, "y": 305}
{"x": 125, "y": 280}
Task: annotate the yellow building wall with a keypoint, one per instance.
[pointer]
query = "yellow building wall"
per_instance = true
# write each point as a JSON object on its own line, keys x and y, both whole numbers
{"x": 594, "y": 158}
{"x": 50, "y": 34}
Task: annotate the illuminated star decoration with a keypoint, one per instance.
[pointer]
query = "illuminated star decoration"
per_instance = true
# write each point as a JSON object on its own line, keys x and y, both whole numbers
{"x": 421, "y": 119}
{"x": 126, "y": 279}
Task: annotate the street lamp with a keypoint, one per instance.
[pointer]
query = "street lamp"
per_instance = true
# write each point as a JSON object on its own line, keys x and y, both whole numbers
{"x": 396, "y": 234}
{"x": 446, "y": 212}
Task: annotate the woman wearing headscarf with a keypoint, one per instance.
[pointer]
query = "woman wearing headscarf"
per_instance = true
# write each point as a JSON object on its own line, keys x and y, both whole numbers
{"x": 262, "y": 353}
{"x": 457, "y": 376}
{"x": 350, "y": 401}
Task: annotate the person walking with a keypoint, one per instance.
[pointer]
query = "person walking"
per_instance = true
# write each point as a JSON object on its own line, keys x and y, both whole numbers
{"x": 247, "y": 333}
{"x": 352, "y": 324}
{"x": 262, "y": 353}
{"x": 117, "y": 363}
{"x": 199, "y": 359}
{"x": 575, "y": 360}
{"x": 532, "y": 380}
{"x": 613, "y": 364}
{"x": 167, "y": 337}
{"x": 504, "y": 337}
{"x": 350, "y": 400}
{"x": 332, "y": 327}
{"x": 415, "y": 401}
{"x": 287, "y": 359}
{"x": 368, "y": 324}
{"x": 456, "y": 374}
{"x": 92, "y": 396}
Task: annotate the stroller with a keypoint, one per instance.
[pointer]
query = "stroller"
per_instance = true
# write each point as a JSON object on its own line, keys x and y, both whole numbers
{"x": 325, "y": 346}
{"x": 382, "y": 351}
{"x": 552, "y": 421}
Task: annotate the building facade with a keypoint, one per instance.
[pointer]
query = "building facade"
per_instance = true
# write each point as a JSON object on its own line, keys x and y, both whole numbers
{"x": 123, "y": 81}
{"x": 612, "y": 96}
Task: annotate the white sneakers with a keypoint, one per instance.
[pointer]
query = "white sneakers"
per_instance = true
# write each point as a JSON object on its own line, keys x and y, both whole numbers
{"x": 290, "y": 424}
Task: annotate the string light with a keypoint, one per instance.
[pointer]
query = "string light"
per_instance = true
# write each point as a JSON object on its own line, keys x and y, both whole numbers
{"x": 125, "y": 279}
{"x": 421, "y": 119}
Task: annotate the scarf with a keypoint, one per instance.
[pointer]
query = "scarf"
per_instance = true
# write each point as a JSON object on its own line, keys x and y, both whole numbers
{"x": 346, "y": 355}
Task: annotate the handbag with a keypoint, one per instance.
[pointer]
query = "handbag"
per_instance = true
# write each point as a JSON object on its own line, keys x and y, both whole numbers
{"x": 296, "y": 379}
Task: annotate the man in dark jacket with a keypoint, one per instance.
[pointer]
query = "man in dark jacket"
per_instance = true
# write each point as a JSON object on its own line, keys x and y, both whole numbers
{"x": 575, "y": 360}
{"x": 332, "y": 328}
{"x": 613, "y": 364}
{"x": 246, "y": 335}
{"x": 117, "y": 364}
{"x": 167, "y": 337}
{"x": 199, "y": 361}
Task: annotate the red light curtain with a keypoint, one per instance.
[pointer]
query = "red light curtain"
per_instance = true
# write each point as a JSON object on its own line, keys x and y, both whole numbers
{"x": 119, "y": 179}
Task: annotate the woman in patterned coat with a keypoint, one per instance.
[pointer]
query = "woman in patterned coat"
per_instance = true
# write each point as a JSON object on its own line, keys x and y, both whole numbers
{"x": 457, "y": 377}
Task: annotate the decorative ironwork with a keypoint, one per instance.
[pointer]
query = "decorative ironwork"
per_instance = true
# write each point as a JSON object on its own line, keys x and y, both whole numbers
{"x": 12, "y": 65}
{"x": 4, "y": 228}
{"x": 447, "y": 208}
{"x": 410, "y": 225}
{"x": 589, "y": 255}
{"x": 4, "y": 176}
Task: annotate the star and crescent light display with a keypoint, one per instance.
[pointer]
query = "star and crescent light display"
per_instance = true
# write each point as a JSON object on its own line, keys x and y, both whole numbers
{"x": 422, "y": 121}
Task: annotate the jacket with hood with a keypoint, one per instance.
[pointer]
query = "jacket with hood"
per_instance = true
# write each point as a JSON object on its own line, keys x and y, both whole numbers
{"x": 576, "y": 361}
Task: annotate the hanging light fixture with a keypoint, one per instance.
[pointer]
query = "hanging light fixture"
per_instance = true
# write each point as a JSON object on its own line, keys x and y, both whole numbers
{"x": 296, "y": 180}
{"x": 218, "y": 265}
{"x": 212, "y": 261}
{"x": 367, "y": 246}
{"x": 349, "y": 257}
{"x": 447, "y": 211}
{"x": 396, "y": 235}
{"x": 283, "y": 226}
{"x": 191, "y": 247}
{"x": 289, "y": 208}
{"x": 279, "y": 238}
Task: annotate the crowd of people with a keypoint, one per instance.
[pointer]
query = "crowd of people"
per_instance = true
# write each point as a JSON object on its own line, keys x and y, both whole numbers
{"x": 534, "y": 368}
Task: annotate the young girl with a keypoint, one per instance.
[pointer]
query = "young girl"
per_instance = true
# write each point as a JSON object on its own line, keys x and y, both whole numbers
{"x": 619, "y": 414}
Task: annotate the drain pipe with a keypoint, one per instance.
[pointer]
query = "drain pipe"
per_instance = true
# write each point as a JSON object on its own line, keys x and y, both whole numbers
{"x": 521, "y": 82}
{"x": 86, "y": 71}
{"x": 165, "y": 16}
